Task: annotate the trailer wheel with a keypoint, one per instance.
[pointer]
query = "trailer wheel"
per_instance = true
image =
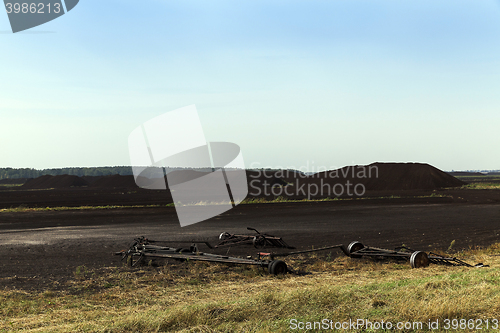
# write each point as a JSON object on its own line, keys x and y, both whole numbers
{"x": 259, "y": 242}
{"x": 353, "y": 247}
{"x": 277, "y": 267}
{"x": 223, "y": 235}
{"x": 419, "y": 259}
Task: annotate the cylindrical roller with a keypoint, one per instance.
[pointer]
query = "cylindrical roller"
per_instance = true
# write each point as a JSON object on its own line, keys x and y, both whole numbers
{"x": 419, "y": 259}
{"x": 353, "y": 247}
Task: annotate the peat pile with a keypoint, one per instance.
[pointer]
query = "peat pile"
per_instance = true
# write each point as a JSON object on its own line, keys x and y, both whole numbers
{"x": 177, "y": 177}
{"x": 114, "y": 181}
{"x": 91, "y": 179}
{"x": 48, "y": 181}
{"x": 255, "y": 178}
{"x": 13, "y": 181}
{"x": 409, "y": 176}
{"x": 261, "y": 178}
{"x": 373, "y": 177}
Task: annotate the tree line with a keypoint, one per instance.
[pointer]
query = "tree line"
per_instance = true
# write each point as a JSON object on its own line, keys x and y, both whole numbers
{"x": 10, "y": 173}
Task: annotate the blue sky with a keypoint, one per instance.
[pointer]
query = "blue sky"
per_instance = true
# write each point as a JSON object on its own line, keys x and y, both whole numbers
{"x": 306, "y": 84}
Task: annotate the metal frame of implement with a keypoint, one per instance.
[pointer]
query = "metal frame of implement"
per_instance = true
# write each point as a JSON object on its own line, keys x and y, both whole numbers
{"x": 417, "y": 258}
{"x": 142, "y": 248}
{"x": 259, "y": 240}
{"x": 357, "y": 250}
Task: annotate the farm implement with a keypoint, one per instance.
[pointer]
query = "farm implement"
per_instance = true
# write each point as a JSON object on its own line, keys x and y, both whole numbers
{"x": 417, "y": 259}
{"x": 142, "y": 249}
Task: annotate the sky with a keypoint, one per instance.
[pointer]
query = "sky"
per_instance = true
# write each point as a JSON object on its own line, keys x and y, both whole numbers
{"x": 301, "y": 84}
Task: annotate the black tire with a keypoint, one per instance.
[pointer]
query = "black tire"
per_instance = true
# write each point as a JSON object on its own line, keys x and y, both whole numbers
{"x": 419, "y": 259}
{"x": 224, "y": 236}
{"x": 259, "y": 242}
{"x": 277, "y": 267}
{"x": 353, "y": 247}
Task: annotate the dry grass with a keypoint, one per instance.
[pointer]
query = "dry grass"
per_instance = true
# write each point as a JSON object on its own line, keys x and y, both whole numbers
{"x": 201, "y": 297}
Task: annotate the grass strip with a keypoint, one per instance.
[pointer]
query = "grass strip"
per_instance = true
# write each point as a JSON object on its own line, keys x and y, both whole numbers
{"x": 202, "y": 297}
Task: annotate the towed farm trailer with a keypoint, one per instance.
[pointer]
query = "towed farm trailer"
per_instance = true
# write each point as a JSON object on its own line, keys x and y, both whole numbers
{"x": 142, "y": 249}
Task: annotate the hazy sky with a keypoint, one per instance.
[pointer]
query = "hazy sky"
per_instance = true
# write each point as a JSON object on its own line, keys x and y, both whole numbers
{"x": 294, "y": 83}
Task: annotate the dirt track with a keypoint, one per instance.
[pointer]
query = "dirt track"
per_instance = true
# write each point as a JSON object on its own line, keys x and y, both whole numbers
{"x": 38, "y": 248}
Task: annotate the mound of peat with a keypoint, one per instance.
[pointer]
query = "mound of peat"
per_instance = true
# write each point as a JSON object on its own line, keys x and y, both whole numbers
{"x": 392, "y": 176}
{"x": 48, "y": 181}
{"x": 409, "y": 176}
{"x": 13, "y": 181}
{"x": 91, "y": 179}
{"x": 114, "y": 181}
{"x": 254, "y": 178}
{"x": 373, "y": 177}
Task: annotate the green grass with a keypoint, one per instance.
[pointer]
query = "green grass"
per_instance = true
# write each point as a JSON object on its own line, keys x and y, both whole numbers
{"x": 281, "y": 199}
{"x": 201, "y": 297}
{"x": 495, "y": 177}
{"x": 482, "y": 186}
{"x": 23, "y": 208}
{"x": 286, "y": 200}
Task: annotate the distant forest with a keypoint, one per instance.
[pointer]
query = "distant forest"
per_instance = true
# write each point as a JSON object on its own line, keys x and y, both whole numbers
{"x": 11, "y": 173}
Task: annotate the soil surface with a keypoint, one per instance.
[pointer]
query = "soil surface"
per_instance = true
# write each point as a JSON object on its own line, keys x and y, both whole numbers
{"x": 42, "y": 249}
